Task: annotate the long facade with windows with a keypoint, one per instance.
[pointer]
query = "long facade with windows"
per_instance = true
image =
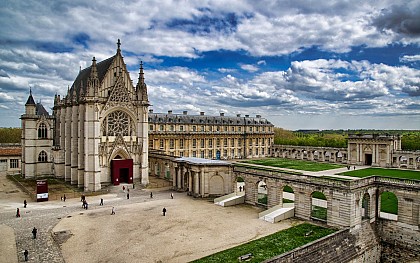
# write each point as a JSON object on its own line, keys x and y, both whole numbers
{"x": 210, "y": 137}
{"x": 97, "y": 133}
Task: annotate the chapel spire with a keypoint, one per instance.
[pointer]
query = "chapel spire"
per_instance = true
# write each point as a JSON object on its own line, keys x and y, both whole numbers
{"x": 141, "y": 87}
{"x": 93, "y": 80}
{"x": 118, "y": 46}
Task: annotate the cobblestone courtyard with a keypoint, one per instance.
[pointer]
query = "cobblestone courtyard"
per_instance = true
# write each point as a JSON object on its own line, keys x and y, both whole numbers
{"x": 138, "y": 232}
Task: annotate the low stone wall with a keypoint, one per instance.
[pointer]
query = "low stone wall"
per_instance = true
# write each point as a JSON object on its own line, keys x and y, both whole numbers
{"x": 359, "y": 244}
{"x": 399, "y": 234}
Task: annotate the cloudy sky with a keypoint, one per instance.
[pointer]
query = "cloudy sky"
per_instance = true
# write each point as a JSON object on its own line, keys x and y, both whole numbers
{"x": 301, "y": 64}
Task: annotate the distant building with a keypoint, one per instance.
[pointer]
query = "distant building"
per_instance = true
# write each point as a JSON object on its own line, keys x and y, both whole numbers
{"x": 210, "y": 137}
{"x": 10, "y": 157}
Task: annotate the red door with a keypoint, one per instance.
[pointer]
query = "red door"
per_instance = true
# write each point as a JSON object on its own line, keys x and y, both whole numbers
{"x": 122, "y": 171}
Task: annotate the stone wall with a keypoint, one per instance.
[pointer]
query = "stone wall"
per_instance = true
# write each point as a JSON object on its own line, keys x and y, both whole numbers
{"x": 357, "y": 244}
{"x": 399, "y": 234}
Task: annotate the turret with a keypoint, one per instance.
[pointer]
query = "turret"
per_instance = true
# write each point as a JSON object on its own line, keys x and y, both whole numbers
{"x": 93, "y": 80}
{"x": 30, "y": 106}
{"x": 141, "y": 88}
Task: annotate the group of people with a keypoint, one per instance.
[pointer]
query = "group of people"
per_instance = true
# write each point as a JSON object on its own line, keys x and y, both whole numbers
{"x": 26, "y": 252}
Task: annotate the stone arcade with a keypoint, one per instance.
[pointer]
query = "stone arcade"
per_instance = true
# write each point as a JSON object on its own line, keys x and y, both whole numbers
{"x": 97, "y": 133}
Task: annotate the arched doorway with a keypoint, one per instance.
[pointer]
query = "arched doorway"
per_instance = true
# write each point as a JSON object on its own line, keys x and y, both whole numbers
{"x": 288, "y": 196}
{"x": 366, "y": 206}
{"x": 318, "y": 206}
{"x": 389, "y": 206}
{"x": 121, "y": 170}
{"x": 240, "y": 184}
{"x": 262, "y": 193}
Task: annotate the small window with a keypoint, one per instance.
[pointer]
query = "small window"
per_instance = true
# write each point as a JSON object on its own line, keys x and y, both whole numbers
{"x": 42, "y": 157}
{"x": 14, "y": 163}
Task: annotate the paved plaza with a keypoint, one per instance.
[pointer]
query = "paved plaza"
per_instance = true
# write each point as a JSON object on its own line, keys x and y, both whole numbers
{"x": 138, "y": 232}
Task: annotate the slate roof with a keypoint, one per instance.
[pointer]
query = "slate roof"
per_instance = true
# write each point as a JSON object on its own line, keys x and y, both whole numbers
{"x": 30, "y": 100}
{"x": 82, "y": 79}
{"x": 204, "y": 119}
{"x": 40, "y": 110}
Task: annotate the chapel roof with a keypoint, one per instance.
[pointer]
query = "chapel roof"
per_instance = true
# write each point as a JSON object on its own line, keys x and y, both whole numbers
{"x": 83, "y": 76}
{"x": 40, "y": 110}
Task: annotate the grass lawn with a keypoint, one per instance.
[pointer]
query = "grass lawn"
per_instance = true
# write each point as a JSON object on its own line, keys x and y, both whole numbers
{"x": 389, "y": 203}
{"x": 319, "y": 212}
{"x": 288, "y": 189}
{"x": 272, "y": 245}
{"x": 407, "y": 174}
{"x": 295, "y": 164}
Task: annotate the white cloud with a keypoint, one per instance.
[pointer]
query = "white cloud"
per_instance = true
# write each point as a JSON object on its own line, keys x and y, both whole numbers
{"x": 408, "y": 58}
{"x": 249, "y": 67}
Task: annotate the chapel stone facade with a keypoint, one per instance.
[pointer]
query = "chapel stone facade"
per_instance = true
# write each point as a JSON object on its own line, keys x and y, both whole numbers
{"x": 97, "y": 133}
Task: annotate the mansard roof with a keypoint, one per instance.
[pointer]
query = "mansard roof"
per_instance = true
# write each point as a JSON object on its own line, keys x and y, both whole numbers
{"x": 204, "y": 119}
{"x": 82, "y": 79}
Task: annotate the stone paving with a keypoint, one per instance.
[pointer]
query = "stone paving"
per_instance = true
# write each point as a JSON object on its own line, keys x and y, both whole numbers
{"x": 45, "y": 215}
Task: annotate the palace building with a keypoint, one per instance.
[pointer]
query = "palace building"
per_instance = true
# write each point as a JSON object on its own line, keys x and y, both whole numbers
{"x": 97, "y": 133}
{"x": 210, "y": 137}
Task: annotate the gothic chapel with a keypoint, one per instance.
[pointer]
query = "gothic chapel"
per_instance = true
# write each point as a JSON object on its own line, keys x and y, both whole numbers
{"x": 97, "y": 134}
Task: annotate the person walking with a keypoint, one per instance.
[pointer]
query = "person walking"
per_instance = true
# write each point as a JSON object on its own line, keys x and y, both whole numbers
{"x": 25, "y": 254}
{"x": 128, "y": 195}
{"x": 172, "y": 196}
{"x": 64, "y": 197}
{"x": 164, "y": 211}
{"x": 17, "y": 212}
{"x": 24, "y": 203}
{"x": 102, "y": 202}
{"x": 151, "y": 195}
{"x": 113, "y": 211}
{"x": 34, "y": 231}
{"x": 86, "y": 205}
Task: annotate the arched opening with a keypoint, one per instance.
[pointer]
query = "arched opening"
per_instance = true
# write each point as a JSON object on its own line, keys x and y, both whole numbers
{"x": 121, "y": 169}
{"x": 403, "y": 161}
{"x": 318, "y": 206}
{"x": 42, "y": 157}
{"x": 288, "y": 196}
{"x": 262, "y": 193}
{"x": 366, "y": 206}
{"x": 240, "y": 185}
{"x": 316, "y": 155}
{"x": 389, "y": 206}
{"x": 168, "y": 172}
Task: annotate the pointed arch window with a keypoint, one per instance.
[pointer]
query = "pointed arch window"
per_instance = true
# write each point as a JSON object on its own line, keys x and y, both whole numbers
{"x": 42, "y": 157}
{"x": 42, "y": 131}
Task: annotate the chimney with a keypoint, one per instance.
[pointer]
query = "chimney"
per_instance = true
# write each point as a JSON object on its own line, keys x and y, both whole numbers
{"x": 222, "y": 114}
{"x": 151, "y": 111}
{"x": 185, "y": 112}
{"x": 258, "y": 116}
{"x": 169, "y": 112}
{"x": 247, "y": 116}
{"x": 238, "y": 115}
